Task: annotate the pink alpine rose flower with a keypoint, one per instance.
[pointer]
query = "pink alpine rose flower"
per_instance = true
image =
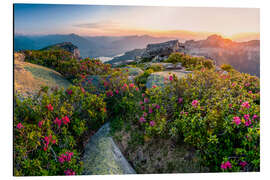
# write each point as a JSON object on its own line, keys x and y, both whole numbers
{"x": 246, "y": 116}
{"x": 226, "y": 165}
{"x": 246, "y": 105}
{"x": 19, "y": 126}
{"x": 69, "y": 172}
{"x": 144, "y": 114}
{"x": 58, "y": 122}
{"x": 170, "y": 78}
{"x": 152, "y": 123}
{"x": 65, "y": 120}
{"x": 146, "y": 100}
{"x": 150, "y": 110}
{"x": 180, "y": 100}
{"x": 248, "y": 123}
{"x": 195, "y": 103}
{"x": 131, "y": 85}
{"x": 142, "y": 120}
{"x": 49, "y": 107}
{"x": 243, "y": 164}
{"x": 40, "y": 123}
{"x": 236, "y": 120}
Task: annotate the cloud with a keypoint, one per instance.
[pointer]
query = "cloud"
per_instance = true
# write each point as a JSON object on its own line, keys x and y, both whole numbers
{"x": 99, "y": 25}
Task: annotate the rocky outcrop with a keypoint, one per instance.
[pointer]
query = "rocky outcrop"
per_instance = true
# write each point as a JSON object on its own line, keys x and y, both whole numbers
{"x": 162, "y": 49}
{"x": 68, "y": 46}
{"x": 28, "y": 78}
{"x": 102, "y": 156}
{"x": 161, "y": 78}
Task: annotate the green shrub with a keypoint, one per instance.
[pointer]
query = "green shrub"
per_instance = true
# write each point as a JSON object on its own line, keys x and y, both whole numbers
{"x": 189, "y": 62}
{"x": 49, "y": 130}
{"x": 226, "y": 67}
{"x": 156, "y": 67}
{"x": 142, "y": 79}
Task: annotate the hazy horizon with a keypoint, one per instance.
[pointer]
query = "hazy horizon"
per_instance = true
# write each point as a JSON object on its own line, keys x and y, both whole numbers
{"x": 238, "y": 24}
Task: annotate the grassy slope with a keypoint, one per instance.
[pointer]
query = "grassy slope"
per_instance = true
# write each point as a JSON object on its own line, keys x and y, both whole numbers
{"x": 28, "y": 78}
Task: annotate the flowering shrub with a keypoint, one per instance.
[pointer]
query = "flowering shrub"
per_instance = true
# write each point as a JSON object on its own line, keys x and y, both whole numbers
{"x": 49, "y": 130}
{"x": 215, "y": 113}
{"x": 219, "y": 115}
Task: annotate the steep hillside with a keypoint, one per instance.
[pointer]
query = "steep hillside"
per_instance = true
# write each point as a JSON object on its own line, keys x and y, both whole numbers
{"x": 28, "y": 78}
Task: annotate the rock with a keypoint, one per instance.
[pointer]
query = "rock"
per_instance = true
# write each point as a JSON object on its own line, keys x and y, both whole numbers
{"x": 178, "y": 66}
{"x": 133, "y": 71}
{"x": 102, "y": 156}
{"x": 161, "y": 50}
{"x": 159, "y": 78}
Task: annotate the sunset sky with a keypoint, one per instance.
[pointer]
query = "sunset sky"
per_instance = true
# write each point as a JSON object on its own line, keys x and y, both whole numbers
{"x": 136, "y": 20}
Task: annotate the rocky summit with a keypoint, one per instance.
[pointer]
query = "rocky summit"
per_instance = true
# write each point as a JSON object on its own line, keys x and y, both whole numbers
{"x": 161, "y": 50}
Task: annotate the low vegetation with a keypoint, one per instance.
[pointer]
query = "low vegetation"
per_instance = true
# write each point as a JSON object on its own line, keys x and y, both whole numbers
{"x": 212, "y": 113}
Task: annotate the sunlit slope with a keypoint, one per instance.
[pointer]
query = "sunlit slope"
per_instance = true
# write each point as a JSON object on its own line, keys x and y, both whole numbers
{"x": 28, "y": 78}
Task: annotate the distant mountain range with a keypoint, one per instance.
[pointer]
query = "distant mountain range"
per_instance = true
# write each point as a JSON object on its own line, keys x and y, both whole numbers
{"x": 89, "y": 46}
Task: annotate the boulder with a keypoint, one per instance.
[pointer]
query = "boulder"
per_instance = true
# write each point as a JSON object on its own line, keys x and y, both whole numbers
{"x": 102, "y": 156}
{"x": 133, "y": 71}
{"x": 160, "y": 78}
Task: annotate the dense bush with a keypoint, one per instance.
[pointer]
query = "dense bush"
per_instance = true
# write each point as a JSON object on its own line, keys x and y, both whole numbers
{"x": 63, "y": 62}
{"x": 49, "y": 130}
{"x": 142, "y": 79}
{"x": 189, "y": 62}
{"x": 215, "y": 113}
{"x": 226, "y": 67}
{"x": 155, "y": 67}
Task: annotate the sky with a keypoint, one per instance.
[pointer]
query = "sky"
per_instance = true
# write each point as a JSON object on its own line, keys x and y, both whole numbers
{"x": 93, "y": 20}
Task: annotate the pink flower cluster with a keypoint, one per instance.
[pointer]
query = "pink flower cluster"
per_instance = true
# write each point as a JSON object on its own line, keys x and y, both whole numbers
{"x": 69, "y": 172}
{"x": 142, "y": 120}
{"x": 109, "y": 93}
{"x": 236, "y": 120}
{"x": 47, "y": 140}
{"x": 19, "y": 126}
{"x": 195, "y": 103}
{"x": 65, "y": 157}
{"x": 49, "y": 107}
{"x": 246, "y": 105}
{"x": 40, "y": 123}
{"x": 226, "y": 165}
{"x": 152, "y": 123}
{"x": 65, "y": 121}
{"x": 180, "y": 100}
{"x": 243, "y": 164}
{"x": 69, "y": 91}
